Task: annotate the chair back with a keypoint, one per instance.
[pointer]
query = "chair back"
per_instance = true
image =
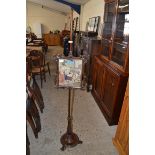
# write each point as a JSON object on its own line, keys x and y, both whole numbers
{"x": 37, "y": 58}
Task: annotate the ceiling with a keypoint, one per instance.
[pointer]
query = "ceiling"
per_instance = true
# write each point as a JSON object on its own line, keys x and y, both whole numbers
{"x": 51, "y": 4}
{"x": 77, "y": 1}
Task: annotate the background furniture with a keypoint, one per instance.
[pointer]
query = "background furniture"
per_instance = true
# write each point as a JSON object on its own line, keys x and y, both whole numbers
{"x": 121, "y": 139}
{"x": 37, "y": 64}
{"x": 36, "y": 43}
{"x": 110, "y": 67}
{"x": 52, "y": 39}
{"x": 90, "y": 46}
{"x": 63, "y": 34}
{"x": 34, "y": 101}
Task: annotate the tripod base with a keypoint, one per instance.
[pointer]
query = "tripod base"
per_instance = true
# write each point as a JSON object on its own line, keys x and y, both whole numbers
{"x": 69, "y": 140}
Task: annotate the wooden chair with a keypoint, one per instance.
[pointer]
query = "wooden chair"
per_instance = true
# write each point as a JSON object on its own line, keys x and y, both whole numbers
{"x": 33, "y": 87}
{"x": 34, "y": 98}
{"x": 33, "y": 111}
{"x": 37, "y": 64}
{"x": 37, "y": 95}
{"x": 30, "y": 120}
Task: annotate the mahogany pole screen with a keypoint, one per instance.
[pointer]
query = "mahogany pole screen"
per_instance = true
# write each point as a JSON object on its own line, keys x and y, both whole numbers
{"x": 71, "y": 79}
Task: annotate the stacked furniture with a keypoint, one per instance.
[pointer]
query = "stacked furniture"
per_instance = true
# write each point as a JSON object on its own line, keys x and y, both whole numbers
{"x": 37, "y": 44}
{"x": 34, "y": 103}
{"x": 38, "y": 65}
{"x": 63, "y": 34}
{"x": 90, "y": 47}
{"x": 110, "y": 67}
{"x": 36, "y": 50}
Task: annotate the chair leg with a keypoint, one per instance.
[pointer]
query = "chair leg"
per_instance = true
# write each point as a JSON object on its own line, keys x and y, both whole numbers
{"x": 36, "y": 87}
{"x": 35, "y": 114}
{"x": 48, "y": 69}
{"x": 38, "y": 96}
{"x": 44, "y": 76}
{"x": 32, "y": 124}
{"x": 27, "y": 138}
{"x": 27, "y": 144}
{"x": 41, "y": 79}
{"x": 27, "y": 149}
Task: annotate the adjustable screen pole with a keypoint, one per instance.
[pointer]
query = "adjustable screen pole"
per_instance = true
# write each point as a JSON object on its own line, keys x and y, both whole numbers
{"x": 71, "y": 34}
{"x": 70, "y": 139}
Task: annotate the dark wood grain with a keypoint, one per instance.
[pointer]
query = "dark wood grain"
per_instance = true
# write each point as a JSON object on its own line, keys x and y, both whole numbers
{"x": 108, "y": 89}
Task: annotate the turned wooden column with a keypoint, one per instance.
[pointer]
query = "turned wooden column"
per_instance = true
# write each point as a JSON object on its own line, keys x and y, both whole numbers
{"x": 70, "y": 139}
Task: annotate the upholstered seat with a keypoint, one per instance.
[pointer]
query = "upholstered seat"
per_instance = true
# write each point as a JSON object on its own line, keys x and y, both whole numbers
{"x": 36, "y": 70}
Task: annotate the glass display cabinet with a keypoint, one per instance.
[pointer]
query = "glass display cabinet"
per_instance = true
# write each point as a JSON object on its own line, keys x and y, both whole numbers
{"x": 121, "y": 36}
{"x": 109, "y": 17}
{"x": 110, "y": 67}
{"x": 115, "y": 36}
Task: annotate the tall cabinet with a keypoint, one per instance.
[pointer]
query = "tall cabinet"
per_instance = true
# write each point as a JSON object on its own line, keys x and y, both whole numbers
{"x": 110, "y": 67}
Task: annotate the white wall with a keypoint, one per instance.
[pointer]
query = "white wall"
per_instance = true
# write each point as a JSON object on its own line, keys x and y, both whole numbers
{"x": 75, "y": 14}
{"x": 91, "y": 9}
{"x": 50, "y": 20}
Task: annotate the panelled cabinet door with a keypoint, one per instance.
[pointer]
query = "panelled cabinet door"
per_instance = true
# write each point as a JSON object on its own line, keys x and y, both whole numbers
{"x": 110, "y": 91}
{"x": 98, "y": 74}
